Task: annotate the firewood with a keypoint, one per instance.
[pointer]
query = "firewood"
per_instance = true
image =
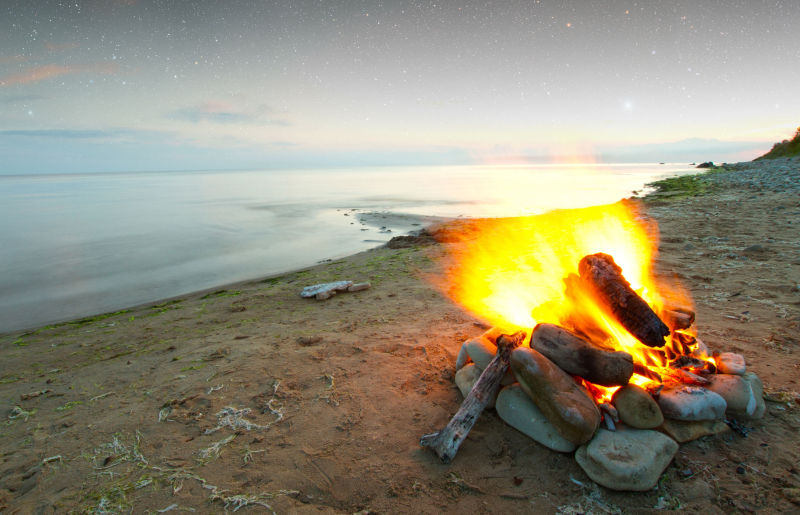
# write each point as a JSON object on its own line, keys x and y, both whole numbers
{"x": 678, "y": 318}
{"x": 646, "y": 372}
{"x": 446, "y": 442}
{"x": 682, "y": 376}
{"x": 579, "y": 357}
{"x": 683, "y": 342}
{"x": 604, "y": 277}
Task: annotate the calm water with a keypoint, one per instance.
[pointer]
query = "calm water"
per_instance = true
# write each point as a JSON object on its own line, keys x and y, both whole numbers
{"x": 77, "y": 245}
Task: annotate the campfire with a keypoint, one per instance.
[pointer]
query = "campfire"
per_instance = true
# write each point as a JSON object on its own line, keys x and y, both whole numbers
{"x": 589, "y": 350}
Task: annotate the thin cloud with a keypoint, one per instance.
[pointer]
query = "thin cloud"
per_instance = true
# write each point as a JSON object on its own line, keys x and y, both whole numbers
{"x": 66, "y": 133}
{"x": 226, "y": 113}
{"x": 9, "y": 59}
{"x": 21, "y": 99}
{"x": 58, "y": 47}
{"x": 48, "y": 71}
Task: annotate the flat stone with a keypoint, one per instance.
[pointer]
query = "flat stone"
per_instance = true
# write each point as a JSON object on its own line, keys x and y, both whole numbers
{"x": 626, "y": 459}
{"x": 518, "y": 410}
{"x": 737, "y": 392}
{"x": 758, "y": 392}
{"x": 682, "y": 431}
{"x": 691, "y": 403}
{"x": 730, "y": 363}
{"x": 325, "y": 290}
{"x": 466, "y": 379}
{"x": 637, "y": 408}
{"x": 567, "y": 406}
{"x": 359, "y": 287}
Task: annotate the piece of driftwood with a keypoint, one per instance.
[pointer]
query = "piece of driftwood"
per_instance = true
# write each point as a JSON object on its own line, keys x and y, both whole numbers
{"x": 579, "y": 357}
{"x": 604, "y": 277}
{"x": 445, "y": 443}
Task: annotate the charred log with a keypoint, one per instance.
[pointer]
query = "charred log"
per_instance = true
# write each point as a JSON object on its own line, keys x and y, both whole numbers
{"x": 692, "y": 363}
{"x": 446, "y": 442}
{"x": 604, "y": 277}
{"x": 579, "y": 357}
{"x": 682, "y": 376}
{"x": 683, "y": 342}
{"x": 646, "y": 372}
{"x": 678, "y": 318}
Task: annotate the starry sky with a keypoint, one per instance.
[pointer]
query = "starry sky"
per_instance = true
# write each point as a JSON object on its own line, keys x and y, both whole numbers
{"x": 125, "y": 85}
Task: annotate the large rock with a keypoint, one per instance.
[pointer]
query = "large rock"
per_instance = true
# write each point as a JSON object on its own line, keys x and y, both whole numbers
{"x": 737, "y": 392}
{"x": 691, "y": 403}
{"x": 682, "y": 431}
{"x": 567, "y": 406}
{"x": 481, "y": 350}
{"x": 518, "y": 410}
{"x": 463, "y": 357}
{"x": 577, "y": 356}
{"x": 466, "y": 378}
{"x": 758, "y": 392}
{"x": 637, "y": 408}
{"x": 730, "y": 363}
{"x": 627, "y": 459}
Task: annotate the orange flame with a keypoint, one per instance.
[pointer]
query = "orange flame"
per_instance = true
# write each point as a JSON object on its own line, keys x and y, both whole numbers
{"x": 515, "y": 273}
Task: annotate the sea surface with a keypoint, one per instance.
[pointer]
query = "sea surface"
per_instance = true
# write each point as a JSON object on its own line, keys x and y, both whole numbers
{"x": 81, "y": 244}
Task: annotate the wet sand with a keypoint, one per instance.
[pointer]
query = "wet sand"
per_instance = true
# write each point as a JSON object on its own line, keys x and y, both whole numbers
{"x": 248, "y": 395}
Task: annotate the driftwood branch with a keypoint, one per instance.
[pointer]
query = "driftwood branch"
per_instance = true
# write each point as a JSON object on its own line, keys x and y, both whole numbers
{"x": 446, "y": 442}
{"x": 605, "y": 278}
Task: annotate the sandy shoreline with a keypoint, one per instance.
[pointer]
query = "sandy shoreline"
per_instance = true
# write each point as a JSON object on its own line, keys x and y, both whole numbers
{"x": 120, "y": 411}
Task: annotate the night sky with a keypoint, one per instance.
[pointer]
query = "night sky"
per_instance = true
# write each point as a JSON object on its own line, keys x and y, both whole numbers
{"x": 150, "y": 85}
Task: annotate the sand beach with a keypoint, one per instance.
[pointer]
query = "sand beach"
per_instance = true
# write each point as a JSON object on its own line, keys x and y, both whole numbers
{"x": 250, "y": 397}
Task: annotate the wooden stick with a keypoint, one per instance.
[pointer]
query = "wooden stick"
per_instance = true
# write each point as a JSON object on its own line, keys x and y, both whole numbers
{"x": 445, "y": 443}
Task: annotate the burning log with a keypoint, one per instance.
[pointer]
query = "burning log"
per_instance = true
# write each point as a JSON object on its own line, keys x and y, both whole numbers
{"x": 643, "y": 371}
{"x": 446, "y": 442}
{"x": 678, "y": 318}
{"x": 604, "y": 277}
{"x": 685, "y": 377}
{"x": 694, "y": 364}
{"x": 579, "y": 357}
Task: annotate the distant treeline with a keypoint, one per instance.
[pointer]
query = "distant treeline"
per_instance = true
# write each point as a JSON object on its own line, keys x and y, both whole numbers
{"x": 785, "y": 148}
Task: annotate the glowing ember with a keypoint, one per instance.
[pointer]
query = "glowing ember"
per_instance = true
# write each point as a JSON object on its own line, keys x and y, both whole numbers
{"x": 517, "y": 272}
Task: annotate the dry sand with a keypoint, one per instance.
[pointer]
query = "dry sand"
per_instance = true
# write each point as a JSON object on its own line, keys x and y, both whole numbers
{"x": 131, "y": 407}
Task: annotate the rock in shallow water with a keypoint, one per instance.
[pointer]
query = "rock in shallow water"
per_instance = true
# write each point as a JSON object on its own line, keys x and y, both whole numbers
{"x": 627, "y": 459}
{"x": 691, "y": 403}
{"x": 567, "y": 406}
{"x": 518, "y": 410}
{"x": 682, "y": 431}
{"x": 637, "y": 408}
